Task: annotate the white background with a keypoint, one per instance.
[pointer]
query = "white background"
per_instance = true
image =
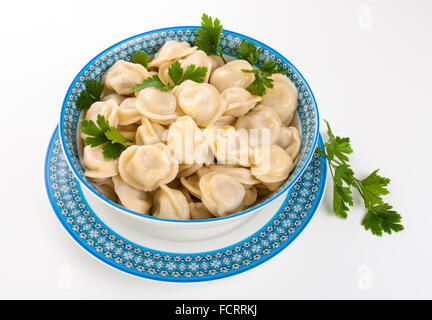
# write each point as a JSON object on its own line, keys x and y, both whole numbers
{"x": 369, "y": 66}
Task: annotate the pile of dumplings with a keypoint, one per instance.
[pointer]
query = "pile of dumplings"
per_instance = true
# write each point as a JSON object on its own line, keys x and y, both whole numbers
{"x": 152, "y": 177}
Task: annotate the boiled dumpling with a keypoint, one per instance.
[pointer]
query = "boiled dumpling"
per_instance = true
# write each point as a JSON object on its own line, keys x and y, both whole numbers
{"x": 242, "y": 175}
{"x": 186, "y": 142}
{"x": 128, "y": 113}
{"x": 282, "y": 98}
{"x": 171, "y": 50}
{"x": 147, "y": 167}
{"x": 239, "y": 101}
{"x": 201, "y": 101}
{"x": 131, "y": 198}
{"x": 261, "y": 117}
{"x": 124, "y": 75}
{"x": 231, "y": 75}
{"x": 186, "y": 170}
{"x": 250, "y": 197}
{"x": 128, "y": 131}
{"x": 149, "y": 133}
{"x": 198, "y": 211}
{"x": 163, "y": 72}
{"x": 114, "y": 96}
{"x": 228, "y": 145}
{"x": 191, "y": 184}
{"x": 170, "y": 204}
{"x": 221, "y": 194}
{"x": 106, "y": 187}
{"x": 109, "y": 109}
{"x": 289, "y": 140}
{"x": 158, "y": 106}
{"x": 200, "y": 59}
{"x": 96, "y": 165}
{"x": 270, "y": 163}
{"x": 225, "y": 121}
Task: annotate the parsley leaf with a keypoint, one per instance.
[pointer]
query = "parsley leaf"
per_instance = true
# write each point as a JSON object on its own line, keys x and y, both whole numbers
{"x": 379, "y": 217}
{"x": 175, "y": 71}
{"x": 208, "y": 39}
{"x": 140, "y": 58}
{"x": 89, "y": 96}
{"x": 114, "y": 142}
{"x": 154, "y": 81}
{"x": 373, "y": 187}
{"x": 248, "y": 51}
{"x": 261, "y": 82}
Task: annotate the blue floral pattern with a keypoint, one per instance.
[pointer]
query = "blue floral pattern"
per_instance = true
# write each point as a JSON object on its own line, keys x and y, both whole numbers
{"x": 91, "y": 233}
{"x": 151, "y": 42}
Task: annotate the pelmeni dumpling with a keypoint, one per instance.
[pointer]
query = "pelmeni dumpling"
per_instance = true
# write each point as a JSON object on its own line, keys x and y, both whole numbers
{"x": 225, "y": 121}
{"x": 228, "y": 145}
{"x": 149, "y": 133}
{"x": 200, "y": 59}
{"x": 217, "y": 62}
{"x": 96, "y": 165}
{"x": 124, "y": 75}
{"x": 186, "y": 170}
{"x": 114, "y": 96}
{"x": 201, "y": 101}
{"x": 282, "y": 98}
{"x": 198, "y": 211}
{"x": 170, "y": 204}
{"x": 157, "y": 106}
{"x": 270, "y": 163}
{"x": 221, "y": 194}
{"x": 231, "y": 75}
{"x": 106, "y": 187}
{"x": 109, "y": 109}
{"x": 128, "y": 131}
{"x": 186, "y": 142}
{"x": 131, "y": 198}
{"x": 239, "y": 101}
{"x": 242, "y": 175}
{"x": 128, "y": 112}
{"x": 250, "y": 197}
{"x": 163, "y": 72}
{"x": 289, "y": 140}
{"x": 191, "y": 184}
{"x": 147, "y": 167}
{"x": 261, "y": 117}
{"x": 171, "y": 50}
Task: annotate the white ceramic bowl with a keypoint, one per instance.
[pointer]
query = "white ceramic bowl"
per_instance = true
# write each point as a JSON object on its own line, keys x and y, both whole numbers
{"x": 307, "y": 122}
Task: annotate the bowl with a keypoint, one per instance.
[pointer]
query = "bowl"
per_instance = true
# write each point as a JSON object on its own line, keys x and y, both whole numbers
{"x": 150, "y": 42}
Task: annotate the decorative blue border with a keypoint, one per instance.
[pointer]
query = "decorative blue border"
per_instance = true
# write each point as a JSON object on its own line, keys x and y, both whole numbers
{"x": 150, "y": 42}
{"x": 95, "y": 237}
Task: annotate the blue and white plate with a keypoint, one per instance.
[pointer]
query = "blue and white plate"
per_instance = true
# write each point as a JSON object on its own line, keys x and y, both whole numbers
{"x": 129, "y": 250}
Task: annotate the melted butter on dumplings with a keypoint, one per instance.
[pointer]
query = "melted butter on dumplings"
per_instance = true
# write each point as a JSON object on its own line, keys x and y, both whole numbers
{"x": 147, "y": 167}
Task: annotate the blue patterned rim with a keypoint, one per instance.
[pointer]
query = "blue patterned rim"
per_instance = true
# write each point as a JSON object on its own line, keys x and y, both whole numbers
{"x": 150, "y": 42}
{"x": 94, "y": 236}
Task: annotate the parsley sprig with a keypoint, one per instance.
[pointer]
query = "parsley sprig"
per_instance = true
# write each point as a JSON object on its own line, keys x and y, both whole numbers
{"x": 177, "y": 75}
{"x": 249, "y": 52}
{"x": 115, "y": 143}
{"x": 141, "y": 58}
{"x": 379, "y": 217}
{"x": 89, "y": 96}
{"x": 208, "y": 39}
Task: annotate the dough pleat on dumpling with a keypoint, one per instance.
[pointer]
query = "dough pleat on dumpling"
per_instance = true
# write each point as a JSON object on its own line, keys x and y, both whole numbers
{"x": 128, "y": 112}
{"x": 171, "y": 50}
{"x": 170, "y": 204}
{"x": 131, "y": 198}
{"x": 231, "y": 75}
{"x": 96, "y": 166}
{"x": 270, "y": 163}
{"x": 149, "y": 133}
{"x": 158, "y": 106}
{"x": 239, "y": 101}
